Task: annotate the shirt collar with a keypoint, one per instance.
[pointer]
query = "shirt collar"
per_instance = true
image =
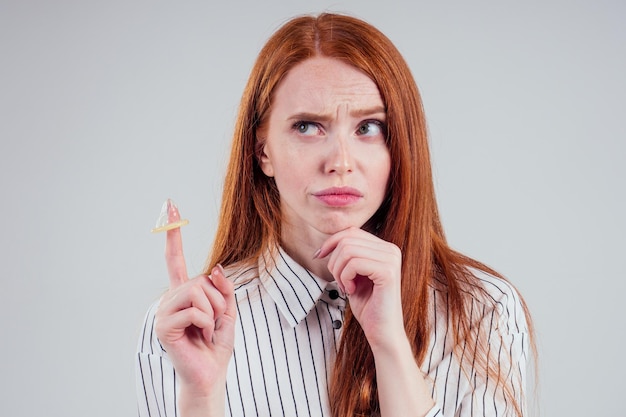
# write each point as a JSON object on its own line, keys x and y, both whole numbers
{"x": 294, "y": 289}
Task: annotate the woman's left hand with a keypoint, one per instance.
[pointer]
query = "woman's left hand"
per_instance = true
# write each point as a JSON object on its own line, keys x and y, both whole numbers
{"x": 368, "y": 269}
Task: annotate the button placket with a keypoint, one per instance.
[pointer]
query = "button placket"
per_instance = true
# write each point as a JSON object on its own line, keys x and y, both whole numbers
{"x": 338, "y": 302}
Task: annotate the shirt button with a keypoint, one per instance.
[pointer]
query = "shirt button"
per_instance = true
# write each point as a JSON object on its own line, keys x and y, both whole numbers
{"x": 333, "y": 294}
{"x": 337, "y": 324}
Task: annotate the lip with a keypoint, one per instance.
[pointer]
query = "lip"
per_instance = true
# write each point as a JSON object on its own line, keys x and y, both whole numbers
{"x": 338, "y": 196}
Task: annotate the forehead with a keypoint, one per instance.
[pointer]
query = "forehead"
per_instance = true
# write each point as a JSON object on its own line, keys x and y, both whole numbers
{"x": 321, "y": 83}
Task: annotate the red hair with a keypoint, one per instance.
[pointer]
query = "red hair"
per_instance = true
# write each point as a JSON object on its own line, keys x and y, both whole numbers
{"x": 250, "y": 219}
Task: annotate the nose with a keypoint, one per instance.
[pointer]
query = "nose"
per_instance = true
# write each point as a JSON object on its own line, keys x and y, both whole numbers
{"x": 340, "y": 158}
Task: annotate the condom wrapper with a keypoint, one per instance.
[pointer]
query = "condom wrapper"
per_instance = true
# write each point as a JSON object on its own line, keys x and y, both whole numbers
{"x": 163, "y": 223}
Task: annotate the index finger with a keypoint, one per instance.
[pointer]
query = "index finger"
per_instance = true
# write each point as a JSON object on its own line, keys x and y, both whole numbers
{"x": 174, "y": 249}
{"x": 330, "y": 244}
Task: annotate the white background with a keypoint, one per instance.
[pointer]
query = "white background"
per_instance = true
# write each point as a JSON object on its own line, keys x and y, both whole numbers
{"x": 107, "y": 108}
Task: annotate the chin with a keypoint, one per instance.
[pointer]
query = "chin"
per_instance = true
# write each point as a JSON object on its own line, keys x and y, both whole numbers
{"x": 330, "y": 227}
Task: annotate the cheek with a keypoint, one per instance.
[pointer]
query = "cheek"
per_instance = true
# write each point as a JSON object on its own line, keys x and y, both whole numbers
{"x": 380, "y": 175}
{"x": 294, "y": 164}
{"x": 291, "y": 180}
{"x": 294, "y": 177}
{"x": 382, "y": 165}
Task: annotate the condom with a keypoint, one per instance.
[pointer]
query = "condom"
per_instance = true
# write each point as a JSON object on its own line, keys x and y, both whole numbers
{"x": 169, "y": 218}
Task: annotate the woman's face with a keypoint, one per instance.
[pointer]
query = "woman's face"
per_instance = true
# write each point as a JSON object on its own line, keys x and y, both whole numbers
{"x": 325, "y": 147}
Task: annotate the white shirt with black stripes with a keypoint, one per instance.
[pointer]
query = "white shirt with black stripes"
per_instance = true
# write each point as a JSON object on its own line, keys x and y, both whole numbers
{"x": 288, "y": 330}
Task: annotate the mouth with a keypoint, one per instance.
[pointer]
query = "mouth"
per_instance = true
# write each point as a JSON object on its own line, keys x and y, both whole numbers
{"x": 338, "y": 196}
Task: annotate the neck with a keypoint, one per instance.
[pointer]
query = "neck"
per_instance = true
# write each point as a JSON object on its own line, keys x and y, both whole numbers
{"x": 301, "y": 247}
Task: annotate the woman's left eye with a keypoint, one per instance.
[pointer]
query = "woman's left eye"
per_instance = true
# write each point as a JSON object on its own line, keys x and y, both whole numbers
{"x": 370, "y": 128}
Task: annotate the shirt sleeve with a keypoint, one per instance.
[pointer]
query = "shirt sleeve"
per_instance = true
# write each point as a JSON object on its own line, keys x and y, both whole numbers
{"x": 498, "y": 341}
{"x": 155, "y": 375}
{"x": 506, "y": 334}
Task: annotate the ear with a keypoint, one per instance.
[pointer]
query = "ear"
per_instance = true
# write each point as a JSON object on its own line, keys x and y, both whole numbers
{"x": 264, "y": 159}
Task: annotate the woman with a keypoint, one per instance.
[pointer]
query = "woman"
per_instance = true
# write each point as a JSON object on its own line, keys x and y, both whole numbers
{"x": 340, "y": 295}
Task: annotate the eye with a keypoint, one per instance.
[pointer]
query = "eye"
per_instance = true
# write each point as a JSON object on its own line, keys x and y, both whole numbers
{"x": 306, "y": 128}
{"x": 371, "y": 128}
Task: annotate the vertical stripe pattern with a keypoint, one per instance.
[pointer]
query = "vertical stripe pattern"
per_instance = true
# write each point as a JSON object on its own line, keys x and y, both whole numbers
{"x": 287, "y": 335}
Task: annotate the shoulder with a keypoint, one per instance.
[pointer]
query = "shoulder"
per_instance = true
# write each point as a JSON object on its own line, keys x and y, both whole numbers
{"x": 243, "y": 275}
{"x": 482, "y": 299}
{"x": 500, "y": 300}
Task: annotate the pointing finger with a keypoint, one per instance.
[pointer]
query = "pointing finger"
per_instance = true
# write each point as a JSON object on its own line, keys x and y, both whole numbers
{"x": 174, "y": 249}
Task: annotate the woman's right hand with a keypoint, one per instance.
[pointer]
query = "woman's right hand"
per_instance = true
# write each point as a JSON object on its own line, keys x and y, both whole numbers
{"x": 195, "y": 323}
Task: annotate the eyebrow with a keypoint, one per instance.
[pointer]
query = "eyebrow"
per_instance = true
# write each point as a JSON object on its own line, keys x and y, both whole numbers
{"x": 326, "y": 117}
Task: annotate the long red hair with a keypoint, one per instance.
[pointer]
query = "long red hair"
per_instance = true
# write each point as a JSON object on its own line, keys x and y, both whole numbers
{"x": 250, "y": 218}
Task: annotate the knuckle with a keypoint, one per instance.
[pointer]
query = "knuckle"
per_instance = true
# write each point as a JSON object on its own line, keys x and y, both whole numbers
{"x": 193, "y": 314}
{"x": 159, "y": 327}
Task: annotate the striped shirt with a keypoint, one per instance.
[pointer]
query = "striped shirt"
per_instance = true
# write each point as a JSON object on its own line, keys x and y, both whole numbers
{"x": 288, "y": 330}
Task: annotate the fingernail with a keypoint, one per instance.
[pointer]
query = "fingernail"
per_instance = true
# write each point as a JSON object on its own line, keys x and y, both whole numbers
{"x": 219, "y": 269}
{"x": 169, "y": 218}
{"x": 172, "y": 211}
{"x": 317, "y": 253}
